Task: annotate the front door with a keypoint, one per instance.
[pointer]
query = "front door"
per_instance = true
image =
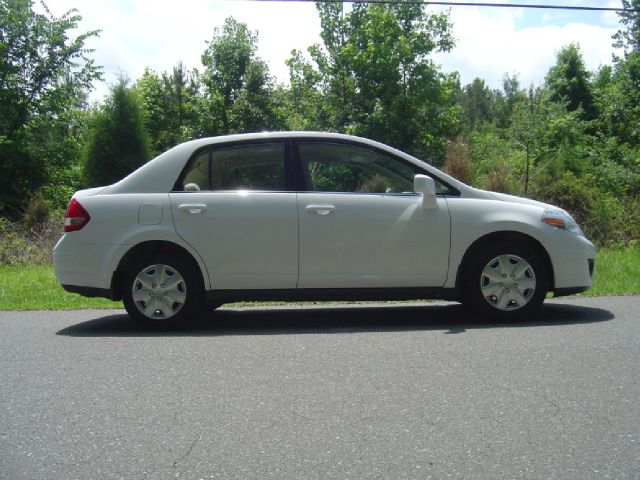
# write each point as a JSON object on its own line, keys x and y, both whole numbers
{"x": 362, "y": 226}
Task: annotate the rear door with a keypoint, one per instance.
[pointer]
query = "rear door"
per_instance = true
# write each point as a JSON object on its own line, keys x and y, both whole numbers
{"x": 234, "y": 207}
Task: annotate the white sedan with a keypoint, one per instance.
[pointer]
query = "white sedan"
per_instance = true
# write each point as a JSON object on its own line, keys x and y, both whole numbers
{"x": 311, "y": 216}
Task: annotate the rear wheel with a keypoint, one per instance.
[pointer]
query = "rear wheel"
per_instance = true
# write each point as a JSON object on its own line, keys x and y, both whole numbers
{"x": 505, "y": 281}
{"x": 162, "y": 290}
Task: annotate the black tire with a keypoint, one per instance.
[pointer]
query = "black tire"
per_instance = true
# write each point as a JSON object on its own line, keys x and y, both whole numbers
{"x": 162, "y": 290}
{"x": 504, "y": 281}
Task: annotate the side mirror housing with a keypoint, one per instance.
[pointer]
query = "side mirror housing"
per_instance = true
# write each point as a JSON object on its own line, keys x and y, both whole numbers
{"x": 426, "y": 187}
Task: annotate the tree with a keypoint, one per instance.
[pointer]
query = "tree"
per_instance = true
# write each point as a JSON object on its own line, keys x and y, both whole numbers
{"x": 478, "y": 102}
{"x": 44, "y": 77}
{"x": 118, "y": 142}
{"x": 620, "y": 95}
{"x": 569, "y": 82}
{"x": 376, "y": 78}
{"x": 549, "y": 137}
{"x": 170, "y": 102}
{"x": 307, "y": 108}
{"x": 238, "y": 86}
{"x": 254, "y": 109}
{"x": 629, "y": 37}
{"x": 505, "y": 100}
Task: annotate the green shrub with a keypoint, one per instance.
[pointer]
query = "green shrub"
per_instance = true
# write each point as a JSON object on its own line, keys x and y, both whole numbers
{"x": 37, "y": 211}
{"x": 495, "y": 165}
{"x": 61, "y": 186}
{"x": 457, "y": 162}
{"x": 607, "y": 219}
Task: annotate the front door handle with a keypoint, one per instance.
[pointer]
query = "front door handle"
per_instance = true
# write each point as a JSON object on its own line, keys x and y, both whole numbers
{"x": 320, "y": 209}
{"x": 192, "y": 207}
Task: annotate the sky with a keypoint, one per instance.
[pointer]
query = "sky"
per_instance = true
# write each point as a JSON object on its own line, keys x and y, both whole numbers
{"x": 489, "y": 41}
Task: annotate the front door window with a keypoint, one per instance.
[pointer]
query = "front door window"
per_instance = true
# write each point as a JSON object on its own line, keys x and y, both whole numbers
{"x": 344, "y": 168}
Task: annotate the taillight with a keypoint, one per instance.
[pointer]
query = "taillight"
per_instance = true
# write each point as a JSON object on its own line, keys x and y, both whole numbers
{"x": 76, "y": 217}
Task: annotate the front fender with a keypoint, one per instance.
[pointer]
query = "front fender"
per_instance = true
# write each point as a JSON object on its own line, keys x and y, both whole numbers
{"x": 473, "y": 219}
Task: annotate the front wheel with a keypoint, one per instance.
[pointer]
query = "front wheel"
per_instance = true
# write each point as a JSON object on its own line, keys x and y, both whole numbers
{"x": 161, "y": 291}
{"x": 505, "y": 281}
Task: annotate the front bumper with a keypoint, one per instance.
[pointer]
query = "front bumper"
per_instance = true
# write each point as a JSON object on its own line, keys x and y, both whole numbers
{"x": 573, "y": 265}
{"x": 563, "y": 292}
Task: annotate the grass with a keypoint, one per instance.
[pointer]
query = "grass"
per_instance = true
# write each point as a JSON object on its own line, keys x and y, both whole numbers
{"x": 617, "y": 272}
{"x": 33, "y": 287}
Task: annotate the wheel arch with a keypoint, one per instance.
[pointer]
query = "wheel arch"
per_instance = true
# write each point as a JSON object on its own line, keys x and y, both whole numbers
{"x": 152, "y": 246}
{"x": 504, "y": 236}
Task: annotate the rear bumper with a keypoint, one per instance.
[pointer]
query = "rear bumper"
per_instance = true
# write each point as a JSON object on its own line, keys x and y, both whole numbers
{"x": 83, "y": 265}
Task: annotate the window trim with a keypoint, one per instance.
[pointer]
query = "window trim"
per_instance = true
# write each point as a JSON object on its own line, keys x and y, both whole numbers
{"x": 301, "y": 185}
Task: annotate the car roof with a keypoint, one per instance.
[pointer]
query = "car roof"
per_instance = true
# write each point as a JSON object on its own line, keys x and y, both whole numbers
{"x": 239, "y": 137}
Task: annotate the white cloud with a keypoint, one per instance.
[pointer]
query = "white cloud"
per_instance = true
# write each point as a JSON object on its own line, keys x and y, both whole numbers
{"x": 489, "y": 45}
{"x": 158, "y": 33}
{"x": 611, "y": 19}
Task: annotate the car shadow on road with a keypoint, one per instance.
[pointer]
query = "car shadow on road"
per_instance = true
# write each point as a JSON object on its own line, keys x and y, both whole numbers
{"x": 337, "y": 319}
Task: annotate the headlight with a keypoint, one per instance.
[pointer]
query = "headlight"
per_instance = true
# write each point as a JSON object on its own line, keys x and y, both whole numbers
{"x": 561, "y": 219}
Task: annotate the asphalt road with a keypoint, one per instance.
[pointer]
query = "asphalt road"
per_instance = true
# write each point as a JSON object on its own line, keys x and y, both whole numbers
{"x": 395, "y": 392}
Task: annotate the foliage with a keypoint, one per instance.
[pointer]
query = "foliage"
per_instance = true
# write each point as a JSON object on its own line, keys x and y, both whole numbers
{"x": 494, "y": 164}
{"x": 505, "y": 101}
{"x": 24, "y": 244}
{"x": 457, "y": 162}
{"x": 44, "y": 75}
{"x": 373, "y": 77}
{"x": 603, "y": 217}
{"x": 307, "y": 107}
{"x": 238, "y": 88}
{"x": 568, "y": 82}
{"x": 629, "y": 37}
{"x": 118, "y": 142}
{"x": 619, "y": 99}
{"x": 170, "y": 105}
{"x": 478, "y": 103}
{"x": 548, "y": 136}
{"x": 37, "y": 211}
{"x": 61, "y": 185}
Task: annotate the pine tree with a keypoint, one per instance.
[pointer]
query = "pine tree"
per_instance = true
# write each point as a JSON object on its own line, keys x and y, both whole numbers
{"x": 118, "y": 143}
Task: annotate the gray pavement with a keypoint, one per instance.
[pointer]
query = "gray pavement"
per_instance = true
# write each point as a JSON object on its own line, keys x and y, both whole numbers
{"x": 341, "y": 392}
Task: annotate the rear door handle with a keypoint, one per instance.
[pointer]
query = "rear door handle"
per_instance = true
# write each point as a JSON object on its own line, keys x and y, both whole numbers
{"x": 320, "y": 209}
{"x": 192, "y": 207}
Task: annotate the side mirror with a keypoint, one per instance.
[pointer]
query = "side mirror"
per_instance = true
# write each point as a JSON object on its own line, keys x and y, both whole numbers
{"x": 426, "y": 187}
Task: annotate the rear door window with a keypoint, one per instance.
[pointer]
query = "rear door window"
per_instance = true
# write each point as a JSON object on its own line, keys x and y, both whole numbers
{"x": 254, "y": 166}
